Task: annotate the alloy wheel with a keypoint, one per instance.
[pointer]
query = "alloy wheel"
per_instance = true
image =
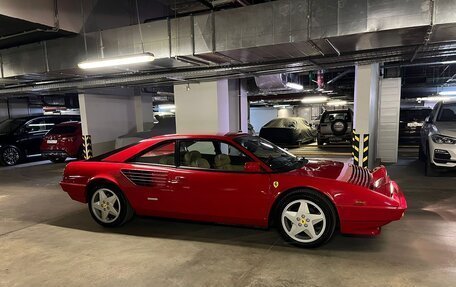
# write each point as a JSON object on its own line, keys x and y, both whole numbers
{"x": 10, "y": 156}
{"x": 303, "y": 220}
{"x": 105, "y": 205}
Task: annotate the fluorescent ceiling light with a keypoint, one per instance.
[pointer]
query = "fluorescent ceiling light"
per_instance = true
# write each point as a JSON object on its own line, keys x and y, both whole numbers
{"x": 119, "y": 61}
{"x": 433, "y": 99}
{"x": 448, "y": 93}
{"x": 314, "y": 100}
{"x": 294, "y": 86}
{"x": 448, "y": 62}
{"x": 337, "y": 103}
{"x": 281, "y": 106}
{"x": 330, "y": 91}
{"x": 167, "y": 107}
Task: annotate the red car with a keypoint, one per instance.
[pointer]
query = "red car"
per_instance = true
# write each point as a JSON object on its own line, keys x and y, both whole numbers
{"x": 235, "y": 179}
{"x": 62, "y": 141}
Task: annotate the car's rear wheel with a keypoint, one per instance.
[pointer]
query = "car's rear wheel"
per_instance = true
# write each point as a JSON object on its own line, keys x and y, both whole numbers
{"x": 109, "y": 207}
{"x": 306, "y": 218}
{"x": 10, "y": 155}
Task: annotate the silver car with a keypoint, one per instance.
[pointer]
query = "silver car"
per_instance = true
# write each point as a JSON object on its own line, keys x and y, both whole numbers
{"x": 438, "y": 138}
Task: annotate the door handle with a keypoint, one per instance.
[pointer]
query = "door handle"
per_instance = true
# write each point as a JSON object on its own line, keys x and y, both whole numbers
{"x": 177, "y": 179}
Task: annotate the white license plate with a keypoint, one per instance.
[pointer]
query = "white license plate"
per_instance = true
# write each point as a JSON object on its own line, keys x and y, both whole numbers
{"x": 414, "y": 125}
{"x": 51, "y": 141}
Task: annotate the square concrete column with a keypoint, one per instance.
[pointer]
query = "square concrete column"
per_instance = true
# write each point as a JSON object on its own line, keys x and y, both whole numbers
{"x": 209, "y": 107}
{"x": 365, "y": 114}
{"x": 105, "y": 115}
{"x": 144, "y": 112}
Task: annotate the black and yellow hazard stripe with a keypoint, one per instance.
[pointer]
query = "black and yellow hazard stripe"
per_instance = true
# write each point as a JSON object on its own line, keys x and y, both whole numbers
{"x": 355, "y": 147}
{"x": 365, "y": 150}
{"x": 87, "y": 146}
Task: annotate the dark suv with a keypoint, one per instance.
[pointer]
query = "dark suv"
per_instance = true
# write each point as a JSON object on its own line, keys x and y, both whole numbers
{"x": 335, "y": 127}
{"x": 21, "y": 137}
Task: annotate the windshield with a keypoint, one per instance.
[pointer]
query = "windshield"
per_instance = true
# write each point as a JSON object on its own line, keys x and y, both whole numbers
{"x": 447, "y": 113}
{"x": 8, "y": 126}
{"x": 275, "y": 157}
{"x": 414, "y": 115}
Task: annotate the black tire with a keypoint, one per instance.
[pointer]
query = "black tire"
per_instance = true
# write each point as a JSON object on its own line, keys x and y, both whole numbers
{"x": 10, "y": 155}
{"x": 320, "y": 142}
{"x": 429, "y": 169}
{"x": 319, "y": 200}
{"x": 57, "y": 159}
{"x": 126, "y": 211}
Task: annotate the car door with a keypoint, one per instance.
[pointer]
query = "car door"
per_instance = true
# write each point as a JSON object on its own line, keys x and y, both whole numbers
{"x": 147, "y": 176}
{"x": 30, "y": 136}
{"x": 220, "y": 192}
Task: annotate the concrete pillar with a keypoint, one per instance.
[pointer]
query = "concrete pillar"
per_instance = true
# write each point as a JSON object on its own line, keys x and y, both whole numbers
{"x": 365, "y": 114}
{"x": 144, "y": 113}
{"x": 209, "y": 107}
{"x": 244, "y": 106}
{"x": 106, "y": 115}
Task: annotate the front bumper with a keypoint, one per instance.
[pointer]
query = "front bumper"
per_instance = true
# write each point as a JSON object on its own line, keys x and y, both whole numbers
{"x": 368, "y": 220}
{"x": 442, "y": 155}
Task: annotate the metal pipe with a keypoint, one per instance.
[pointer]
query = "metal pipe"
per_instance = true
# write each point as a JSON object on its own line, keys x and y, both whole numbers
{"x": 340, "y": 76}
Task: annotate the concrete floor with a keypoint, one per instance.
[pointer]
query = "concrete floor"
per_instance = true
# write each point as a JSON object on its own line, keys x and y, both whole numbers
{"x": 46, "y": 239}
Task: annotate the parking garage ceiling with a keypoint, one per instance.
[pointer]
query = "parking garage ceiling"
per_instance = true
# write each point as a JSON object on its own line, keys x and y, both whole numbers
{"x": 237, "y": 40}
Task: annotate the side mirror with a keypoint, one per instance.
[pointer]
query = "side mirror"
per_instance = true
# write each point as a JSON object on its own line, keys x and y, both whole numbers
{"x": 252, "y": 166}
{"x": 427, "y": 119}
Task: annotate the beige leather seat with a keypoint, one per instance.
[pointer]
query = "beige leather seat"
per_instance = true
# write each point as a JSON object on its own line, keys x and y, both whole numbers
{"x": 167, "y": 160}
{"x": 194, "y": 159}
{"x": 223, "y": 161}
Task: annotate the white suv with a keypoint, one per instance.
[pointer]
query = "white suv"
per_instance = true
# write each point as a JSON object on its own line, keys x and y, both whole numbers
{"x": 438, "y": 138}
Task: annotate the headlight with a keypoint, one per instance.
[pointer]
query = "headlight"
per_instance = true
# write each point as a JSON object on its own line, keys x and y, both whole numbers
{"x": 440, "y": 139}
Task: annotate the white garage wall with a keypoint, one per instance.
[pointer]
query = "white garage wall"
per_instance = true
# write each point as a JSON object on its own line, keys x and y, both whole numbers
{"x": 260, "y": 116}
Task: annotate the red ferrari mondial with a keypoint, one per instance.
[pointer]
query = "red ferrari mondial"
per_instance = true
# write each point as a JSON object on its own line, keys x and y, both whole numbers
{"x": 235, "y": 179}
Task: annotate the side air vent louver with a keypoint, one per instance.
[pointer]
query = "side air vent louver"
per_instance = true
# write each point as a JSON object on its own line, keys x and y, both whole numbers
{"x": 360, "y": 176}
{"x": 139, "y": 177}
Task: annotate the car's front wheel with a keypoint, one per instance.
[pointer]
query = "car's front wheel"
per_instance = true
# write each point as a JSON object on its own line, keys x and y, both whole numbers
{"x": 109, "y": 207}
{"x": 10, "y": 155}
{"x": 306, "y": 218}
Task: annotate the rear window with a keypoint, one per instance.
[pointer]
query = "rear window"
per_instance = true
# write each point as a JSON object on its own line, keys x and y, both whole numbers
{"x": 59, "y": 130}
{"x": 414, "y": 115}
{"x": 333, "y": 116}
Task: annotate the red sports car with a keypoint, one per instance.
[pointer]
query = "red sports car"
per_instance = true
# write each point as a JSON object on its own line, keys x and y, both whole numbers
{"x": 62, "y": 141}
{"x": 235, "y": 179}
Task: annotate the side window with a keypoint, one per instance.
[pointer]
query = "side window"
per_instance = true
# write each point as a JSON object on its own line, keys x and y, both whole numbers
{"x": 212, "y": 155}
{"x": 197, "y": 153}
{"x": 230, "y": 158}
{"x": 37, "y": 125}
{"x": 162, "y": 154}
